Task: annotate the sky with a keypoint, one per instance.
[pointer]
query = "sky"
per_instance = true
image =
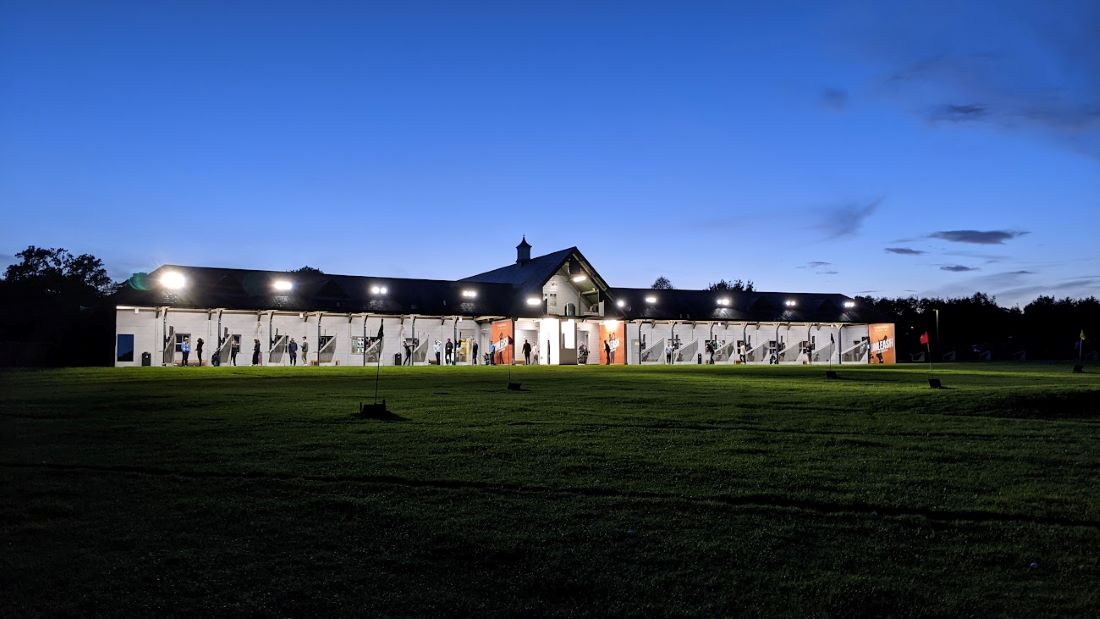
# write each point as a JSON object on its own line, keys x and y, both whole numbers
{"x": 881, "y": 148}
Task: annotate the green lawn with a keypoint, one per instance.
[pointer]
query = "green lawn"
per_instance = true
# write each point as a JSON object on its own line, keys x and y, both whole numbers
{"x": 595, "y": 491}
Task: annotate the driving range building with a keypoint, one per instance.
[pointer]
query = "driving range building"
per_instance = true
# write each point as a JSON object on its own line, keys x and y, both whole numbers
{"x": 557, "y": 303}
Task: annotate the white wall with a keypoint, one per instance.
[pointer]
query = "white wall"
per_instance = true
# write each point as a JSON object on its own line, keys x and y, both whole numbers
{"x": 566, "y": 293}
{"x": 147, "y": 326}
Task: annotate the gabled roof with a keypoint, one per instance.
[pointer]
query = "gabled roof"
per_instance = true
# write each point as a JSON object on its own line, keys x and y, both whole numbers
{"x": 501, "y": 292}
{"x": 531, "y": 275}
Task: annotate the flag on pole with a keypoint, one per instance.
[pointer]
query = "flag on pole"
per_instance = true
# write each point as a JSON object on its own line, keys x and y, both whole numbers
{"x": 380, "y": 330}
{"x": 1082, "y": 335}
{"x": 924, "y": 338}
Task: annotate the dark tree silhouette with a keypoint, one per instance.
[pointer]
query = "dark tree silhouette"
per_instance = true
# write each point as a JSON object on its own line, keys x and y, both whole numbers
{"x": 734, "y": 286}
{"x": 661, "y": 283}
{"x": 52, "y": 309}
{"x": 308, "y": 270}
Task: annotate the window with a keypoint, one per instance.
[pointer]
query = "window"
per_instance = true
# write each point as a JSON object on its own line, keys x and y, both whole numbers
{"x": 358, "y": 344}
{"x": 179, "y": 340}
{"x": 324, "y": 340}
{"x": 124, "y": 347}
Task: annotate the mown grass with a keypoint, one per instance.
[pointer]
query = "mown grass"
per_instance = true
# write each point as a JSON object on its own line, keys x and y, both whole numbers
{"x": 596, "y": 490}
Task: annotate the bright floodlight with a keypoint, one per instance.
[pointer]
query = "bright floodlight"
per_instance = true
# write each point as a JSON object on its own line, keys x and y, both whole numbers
{"x": 533, "y": 300}
{"x": 469, "y": 294}
{"x": 580, "y": 278}
{"x": 283, "y": 285}
{"x": 620, "y": 303}
{"x": 378, "y": 290}
{"x": 791, "y": 303}
{"x": 173, "y": 280}
{"x": 849, "y": 304}
{"x": 651, "y": 299}
{"x": 724, "y": 301}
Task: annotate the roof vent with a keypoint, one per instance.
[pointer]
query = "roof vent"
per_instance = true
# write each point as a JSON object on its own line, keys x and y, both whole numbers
{"x": 523, "y": 251}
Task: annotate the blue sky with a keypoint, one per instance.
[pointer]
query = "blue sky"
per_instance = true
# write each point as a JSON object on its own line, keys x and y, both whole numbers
{"x": 874, "y": 148}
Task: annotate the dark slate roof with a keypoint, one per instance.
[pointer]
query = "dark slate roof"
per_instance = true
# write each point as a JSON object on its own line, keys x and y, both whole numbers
{"x": 751, "y": 306}
{"x": 500, "y": 292}
{"x": 529, "y": 276}
{"x": 243, "y": 289}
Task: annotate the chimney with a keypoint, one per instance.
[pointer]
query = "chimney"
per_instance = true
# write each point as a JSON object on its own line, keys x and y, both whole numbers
{"x": 523, "y": 251}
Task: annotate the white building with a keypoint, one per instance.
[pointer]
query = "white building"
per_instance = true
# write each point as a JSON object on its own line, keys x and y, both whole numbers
{"x": 556, "y": 304}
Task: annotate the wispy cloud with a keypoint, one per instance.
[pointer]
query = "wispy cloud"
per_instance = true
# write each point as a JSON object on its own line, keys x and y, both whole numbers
{"x": 905, "y": 251}
{"x": 977, "y": 237}
{"x": 957, "y": 113}
{"x": 845, "y": 220}
{"x": 957, "y": 268}
{"x": 834, "y": 98}
{"x": 1029, "y": 70}
{"x": 814, "y": 264}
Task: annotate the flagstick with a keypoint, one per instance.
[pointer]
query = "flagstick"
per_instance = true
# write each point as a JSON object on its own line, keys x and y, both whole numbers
{"x": 929, "y": 345}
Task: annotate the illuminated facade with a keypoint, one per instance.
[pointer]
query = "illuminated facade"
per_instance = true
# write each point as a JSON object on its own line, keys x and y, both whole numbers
{"x": 557, "y": 304}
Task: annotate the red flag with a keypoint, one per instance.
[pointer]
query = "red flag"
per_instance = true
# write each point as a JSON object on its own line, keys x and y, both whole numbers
{"x": 924, "y": 338}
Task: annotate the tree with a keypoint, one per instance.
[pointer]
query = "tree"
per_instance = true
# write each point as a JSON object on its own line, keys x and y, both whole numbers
{"x": 661, "y": 283}
{"x": 308, "y": 270}
{"x": 53, "y": 309}
{"x": 55, "y": 270}
{"x": 731, "y": 286}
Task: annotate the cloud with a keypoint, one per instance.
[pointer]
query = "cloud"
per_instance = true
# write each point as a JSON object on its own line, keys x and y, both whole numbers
{"x": 957, "y": 268}
{"x": 1029, "y": 70}
{"x": 957, "y": 113}
{"x": 834, "y": 98}
{"x": 828, "y": 272}
{"x": 977, "y": 237}
{"x": 815, "y": 264}
{"x": 845, "y": 220}
{"x": 905, "y": 251}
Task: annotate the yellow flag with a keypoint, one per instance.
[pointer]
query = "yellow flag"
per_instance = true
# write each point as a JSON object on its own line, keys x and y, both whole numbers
{"x": 1082, "y": 335}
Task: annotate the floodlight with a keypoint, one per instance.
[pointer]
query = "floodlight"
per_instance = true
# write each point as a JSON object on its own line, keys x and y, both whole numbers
{"x": 173, "y": 280}
{"x": 283, "y": 285}
{"x": 533, "y": 301}
{"x": 378, "y": 290}
{"x": 651, "y": 299}
{"x": 790, "y": 303}
{"x": 724, "y": 301}
{"x": 579, "y": 278}
{"x": 469, "y": 294}
{"x": 620, "y": 303}
{"x": 849, "y": 304}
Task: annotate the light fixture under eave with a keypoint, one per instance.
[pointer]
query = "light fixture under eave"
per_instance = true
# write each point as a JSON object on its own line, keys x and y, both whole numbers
{"x": 579, "y": 278}
{"x": 172, "y": 280}
{"x": 533, "y": 301}
{"x": 849, "y": 304}
{"x": 620, "y": 303}
{"x": 651, "y": 300}
{"x": 790, "y": 303}
{"x": 469, "y": 294}
{"x": 724, "y": 301}
{"x": 378, "y": 290}
{"x": 283, "y": 285}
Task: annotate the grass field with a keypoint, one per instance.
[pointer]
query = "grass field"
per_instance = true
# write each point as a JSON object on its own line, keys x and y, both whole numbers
{"x": 596, "y": 490}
